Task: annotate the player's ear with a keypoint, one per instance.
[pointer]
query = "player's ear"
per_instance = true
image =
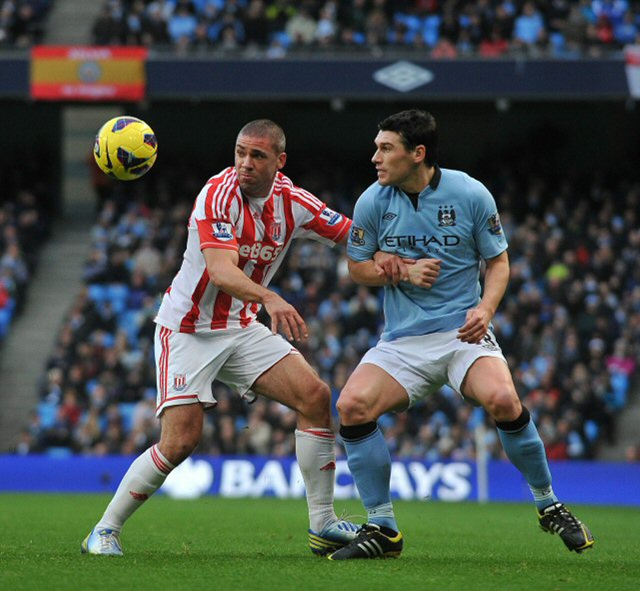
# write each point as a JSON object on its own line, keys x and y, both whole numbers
{"x": 420, "y": 153}
{"x": 282, "y": 158}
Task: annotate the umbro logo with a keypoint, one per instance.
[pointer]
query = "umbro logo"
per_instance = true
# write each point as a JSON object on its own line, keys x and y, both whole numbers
{"x": 403, "y": 76}
{"x": 389, "y": 216}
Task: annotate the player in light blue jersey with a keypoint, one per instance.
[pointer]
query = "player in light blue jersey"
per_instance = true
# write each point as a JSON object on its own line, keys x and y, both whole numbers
{"x": 422, "y": 232}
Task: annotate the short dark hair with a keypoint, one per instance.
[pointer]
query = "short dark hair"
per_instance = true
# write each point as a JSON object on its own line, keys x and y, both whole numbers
{"x": 266, "y": 128}
{"x": 415, "y": 127}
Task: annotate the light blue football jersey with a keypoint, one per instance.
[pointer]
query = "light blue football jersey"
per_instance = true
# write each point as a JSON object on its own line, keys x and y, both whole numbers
{"x": 457, "y": 221}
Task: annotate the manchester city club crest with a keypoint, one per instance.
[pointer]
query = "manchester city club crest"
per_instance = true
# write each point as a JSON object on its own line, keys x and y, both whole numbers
{"x": 446, "y": 216}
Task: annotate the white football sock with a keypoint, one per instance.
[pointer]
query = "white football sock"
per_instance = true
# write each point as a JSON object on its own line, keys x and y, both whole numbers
{"x": 316, "y": 454}
{"x": 144, "y": 477}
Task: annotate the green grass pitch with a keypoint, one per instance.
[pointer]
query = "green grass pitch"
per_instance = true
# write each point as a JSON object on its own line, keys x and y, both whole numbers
{"x": 260, "y": 544}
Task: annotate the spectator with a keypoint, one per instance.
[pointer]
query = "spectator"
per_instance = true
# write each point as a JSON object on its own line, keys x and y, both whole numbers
{"x": 495, "y": 46}
{"x": 529, "y": 31}
{"x": 182, "y": 26}
{"x": 108, "y": 29}
{"x": 256, "y": 24}
{"x": 626, "y": 31}
{"x": 301, "y": 27}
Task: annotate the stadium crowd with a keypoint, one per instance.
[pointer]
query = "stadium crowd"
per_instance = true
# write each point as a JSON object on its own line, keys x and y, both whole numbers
{"x": 569, "y": 324}
{"x": 438, "y": 28}
{"x": 22, "y": 22}
{"x": 24, "y": 227}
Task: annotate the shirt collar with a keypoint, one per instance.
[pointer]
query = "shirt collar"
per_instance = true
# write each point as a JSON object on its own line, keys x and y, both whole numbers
{"x": 435, "y": 179}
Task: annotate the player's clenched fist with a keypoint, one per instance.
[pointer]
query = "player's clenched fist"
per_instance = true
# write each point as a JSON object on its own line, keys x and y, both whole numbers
{"x": 424, "y": 272}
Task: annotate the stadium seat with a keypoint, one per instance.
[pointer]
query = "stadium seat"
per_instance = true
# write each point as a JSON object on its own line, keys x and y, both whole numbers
{"x": 59, "y": 452}
{"x": 127, "y": 410}
{"x": 98, "y": 293}
{"x": 117, "y": 294}
{"x": 431, "y": 30}
{"x": 5, "y": 321}
{"x": 47, "y": 413}
{"x": 129, "y": 323}
{"x": 282, "y": 38}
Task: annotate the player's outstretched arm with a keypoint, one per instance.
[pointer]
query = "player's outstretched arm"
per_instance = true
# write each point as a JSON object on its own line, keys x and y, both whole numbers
{"x": 222, "y": 266}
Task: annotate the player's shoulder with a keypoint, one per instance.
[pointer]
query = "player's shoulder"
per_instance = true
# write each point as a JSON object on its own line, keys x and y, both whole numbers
{"x": 220, "y": 186}
{"x": 284, "y": 186}
{"x": 375, "y": 195}
{"x": 463, "y": 184}
{"x": 226, "y": 177}
{"x": 219, "y": 195}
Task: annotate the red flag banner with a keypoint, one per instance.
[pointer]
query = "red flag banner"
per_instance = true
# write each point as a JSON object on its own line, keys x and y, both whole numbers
{"x": 88, "y": 73}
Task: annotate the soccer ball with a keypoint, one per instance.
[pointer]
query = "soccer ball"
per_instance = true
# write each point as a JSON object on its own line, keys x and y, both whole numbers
{"x": 125, "y": 148}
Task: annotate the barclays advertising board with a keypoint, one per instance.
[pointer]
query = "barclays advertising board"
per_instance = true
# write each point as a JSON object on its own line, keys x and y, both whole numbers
{"x": 252, "y": 476}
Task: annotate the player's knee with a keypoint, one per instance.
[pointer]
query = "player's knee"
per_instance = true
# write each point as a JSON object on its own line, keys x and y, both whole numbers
{"x": 353, "y": 408}
{"x": 178, "y": 449}
{"x": 316, "y": 401}
{"x": 503, "y": 404}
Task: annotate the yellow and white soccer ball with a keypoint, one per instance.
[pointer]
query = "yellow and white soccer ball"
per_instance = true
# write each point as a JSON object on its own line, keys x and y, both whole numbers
{"x": 125, "y": 148}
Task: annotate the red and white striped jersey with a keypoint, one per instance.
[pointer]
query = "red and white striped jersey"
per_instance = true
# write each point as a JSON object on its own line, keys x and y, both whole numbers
{"x": 261, "y": 230}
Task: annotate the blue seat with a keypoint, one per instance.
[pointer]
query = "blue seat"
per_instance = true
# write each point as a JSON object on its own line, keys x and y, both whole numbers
{"x": 58, "y": 452}
{"x": 47, "y": 413}
{"x": 5, "y": 321}
{"x": 283, "y": 38}
{"x": 117, "y": 294}
{"x": 98, "y": 293}
{"x": 128, "y": 322}
{"x": 127, "y": 410}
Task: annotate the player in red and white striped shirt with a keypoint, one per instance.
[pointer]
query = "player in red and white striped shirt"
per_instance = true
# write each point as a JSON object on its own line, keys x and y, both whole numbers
{"x": 240, "y": 229}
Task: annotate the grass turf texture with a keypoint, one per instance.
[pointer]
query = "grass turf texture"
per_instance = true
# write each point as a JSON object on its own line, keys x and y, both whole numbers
{"x": 251, "y": 544}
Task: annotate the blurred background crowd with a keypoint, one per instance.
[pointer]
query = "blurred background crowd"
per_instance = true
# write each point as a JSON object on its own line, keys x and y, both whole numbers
{"x": 24, "y": 228}
{"x": 438, "y": 28}
{"x": 569, "y": 324}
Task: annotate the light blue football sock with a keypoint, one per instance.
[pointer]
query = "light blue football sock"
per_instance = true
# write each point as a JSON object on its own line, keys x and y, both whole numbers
{"x": 525, "y": 449}
{"x": 370, "y": 465}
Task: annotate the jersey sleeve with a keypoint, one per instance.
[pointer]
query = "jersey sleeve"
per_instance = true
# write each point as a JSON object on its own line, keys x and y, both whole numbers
{"x": 214, "y": 215}
{"x": 362, "y": 243}
{"x": 327, "y": 226}
{"x": 312, "y": 218}
{"x": 489, "y": 235}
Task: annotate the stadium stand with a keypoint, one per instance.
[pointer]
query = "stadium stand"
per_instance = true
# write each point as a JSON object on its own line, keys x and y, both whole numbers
{"x": 573, "y": 245}
{"x": 24, "y": 228}
{"x": 436, "y": 28}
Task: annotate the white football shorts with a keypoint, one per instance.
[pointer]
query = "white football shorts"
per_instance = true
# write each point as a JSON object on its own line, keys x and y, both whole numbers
{"x": 187, "y": 364}
{"x": 423, "y": 364}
